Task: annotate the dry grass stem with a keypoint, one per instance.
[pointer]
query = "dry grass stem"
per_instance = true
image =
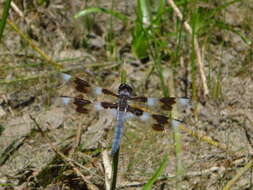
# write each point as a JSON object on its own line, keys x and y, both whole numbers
{"x": 65, "y": 158}
{"x": 108, "y": 169}
{"x": 196, "y": 45}
{"x": 46, "y": 57}
{"x": 16, "y": 9}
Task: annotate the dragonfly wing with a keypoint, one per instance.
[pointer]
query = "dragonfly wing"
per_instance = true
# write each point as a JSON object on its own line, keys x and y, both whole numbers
{"x": 86, "y": 88}
{"x": 156, "y": 121}
{"x": 164, "y": 103}
{"x": 84, "y": 106}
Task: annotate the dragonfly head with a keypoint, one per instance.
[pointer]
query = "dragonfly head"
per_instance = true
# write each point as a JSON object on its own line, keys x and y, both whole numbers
{"x": 125, "y": 89}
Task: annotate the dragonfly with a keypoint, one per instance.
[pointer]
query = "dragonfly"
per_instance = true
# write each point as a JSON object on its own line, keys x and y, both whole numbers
{"x": 122, "y": 109}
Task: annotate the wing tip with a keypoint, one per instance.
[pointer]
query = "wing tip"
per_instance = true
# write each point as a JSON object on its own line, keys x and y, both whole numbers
{"x": 184, "y": 101}
{"x": 66, "y": 77}
{"x": 65, "y": 100}
{"x": 175, "y": 123}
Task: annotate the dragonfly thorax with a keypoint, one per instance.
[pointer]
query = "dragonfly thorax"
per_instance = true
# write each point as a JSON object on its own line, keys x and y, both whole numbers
{"x": 125, "y": 90}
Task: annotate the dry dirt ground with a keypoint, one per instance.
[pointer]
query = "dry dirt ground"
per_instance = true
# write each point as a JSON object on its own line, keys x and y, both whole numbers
{"x": 29, "y": 91}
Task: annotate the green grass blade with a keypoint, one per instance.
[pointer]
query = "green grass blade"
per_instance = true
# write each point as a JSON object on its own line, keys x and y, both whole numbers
{"x": 91, "y": 10}
{"x": 10, "y": 149}
{"x": 141, "y": 30}
{"x": 115, "y": 170}
{"x": 157, "y": 174}
{"x": 226, "y": 26}
{"x": 178, "y": 151}
{"x": 1, "y": 129}
{"x": 43, "y": 2}
{"x": 7, "y": 6}
{"x": 123, "y": 75}
{"x": 195, "y": 23}
{"x": 140, "y": 44}
{"x": 225, "y": 5}
{"x": 143, "y": 7}
{"x": 159, "y": 14}
{"x": 7, "y": 185}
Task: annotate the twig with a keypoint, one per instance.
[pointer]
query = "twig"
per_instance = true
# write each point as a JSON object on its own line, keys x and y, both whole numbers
{"x": 17, "y": 10}
{"x": 77, "y": 139}
{"x": 108, "y": 169}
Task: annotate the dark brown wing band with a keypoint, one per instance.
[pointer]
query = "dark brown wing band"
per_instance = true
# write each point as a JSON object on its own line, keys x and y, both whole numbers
{"x": 135, "y": 111}
{"x": 108, "y": 92}
{"x": 168, "y": 102}
{"x": 140, "y": 99}
{"x": 161, "y": 121}
{"x": 80, "y": 104}
{"x": 81, "y": 85}
{"x": 108, "y": 105}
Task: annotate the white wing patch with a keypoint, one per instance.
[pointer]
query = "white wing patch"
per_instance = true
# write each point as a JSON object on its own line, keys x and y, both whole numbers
{"x": 175, "y": 123}
{"x": 184, "y": 101}
{"x": 152, "y": 101}
{"x": 66, "y": 77}
{"x": 98, "y": 106}
{"x": 113, "y": 112}
{"x": 97, "y": 90}
{"x": 129, "y": 115}
{"x": 145, "y": 116}
{"x": 65, "y": 100}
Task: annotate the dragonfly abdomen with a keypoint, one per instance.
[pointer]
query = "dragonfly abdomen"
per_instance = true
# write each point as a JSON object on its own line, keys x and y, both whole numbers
{"x": 118, "y": 132}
